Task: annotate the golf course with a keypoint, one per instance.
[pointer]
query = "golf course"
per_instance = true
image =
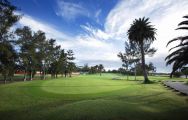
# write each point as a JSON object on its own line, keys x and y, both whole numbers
{"x": 92, "y": 97}
{"x": 93, "y": 60}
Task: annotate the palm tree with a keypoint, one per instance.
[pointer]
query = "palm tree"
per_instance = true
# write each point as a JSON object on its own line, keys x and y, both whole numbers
{"x": 141, "y": 33}
{"x": 179, "y": 57}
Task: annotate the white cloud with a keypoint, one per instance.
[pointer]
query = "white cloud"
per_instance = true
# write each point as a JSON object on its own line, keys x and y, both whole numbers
{"x": 97, "y": 45}
{"x": 87, "y": 46}
{"x": 164, "y": 14}
{"x": 95, "y": 32}
{"x": 36, "y": 25}
{"x": 69, "y": 10}
{"x": 97, "y": 15}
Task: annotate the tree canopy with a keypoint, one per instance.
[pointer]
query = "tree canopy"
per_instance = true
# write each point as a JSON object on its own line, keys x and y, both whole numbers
{"x": 178, "y": 56}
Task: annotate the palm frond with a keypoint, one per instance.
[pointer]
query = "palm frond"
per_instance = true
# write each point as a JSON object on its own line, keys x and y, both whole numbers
{"x": 181, "y": 45}
{"x": 175, "y": 39}
{"x": 186, "y": 16}
{"x": 182, "y": 28}
{"x": 183, "y": 23}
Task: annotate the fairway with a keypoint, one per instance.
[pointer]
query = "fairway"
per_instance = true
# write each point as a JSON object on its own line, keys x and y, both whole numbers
{"x": 91, "y": 97}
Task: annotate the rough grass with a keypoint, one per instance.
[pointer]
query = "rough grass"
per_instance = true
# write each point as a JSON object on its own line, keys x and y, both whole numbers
{"x": 91, "y": 97}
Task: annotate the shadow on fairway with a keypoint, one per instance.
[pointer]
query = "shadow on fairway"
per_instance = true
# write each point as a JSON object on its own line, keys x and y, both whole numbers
{"x": 99, "y": 109}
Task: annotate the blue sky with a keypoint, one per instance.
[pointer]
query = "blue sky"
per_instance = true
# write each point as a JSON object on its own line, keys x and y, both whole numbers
{"x": 96, "y": 29}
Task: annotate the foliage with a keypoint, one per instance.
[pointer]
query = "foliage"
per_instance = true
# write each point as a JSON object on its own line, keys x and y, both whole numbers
{"x": 92, "y": 69}
{"x": 131, "y": 56}
{"x": 8, "y": 18}
{"x": 100, "y": 68}
{"x": 178, "y": 57}
{"x": 7, "y": 52}
{"x": 34, "y": 52}
{"x": 142, "y": 34}
{"x": 40, "y": 54}
{"x": 184, "y": 71}
{"x": 85, "y": 68}
{"x": 177, "y": 74}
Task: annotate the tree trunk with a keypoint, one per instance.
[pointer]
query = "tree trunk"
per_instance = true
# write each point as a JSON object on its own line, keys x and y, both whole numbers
{"x": 70, "y": 74}
{"x": 135, "y": 72}
{"x": 41, "y": 74}
{"x": 44, "y": 75}
{"x": 5, "y": 79}
{"x": 127, "y": 75}
{"x": 44, "y": 71}
{"x": 171, "y": 74}
{"x": 31, "y": 75}
{"x": 65, "y": 74}
{"x": 25, "y": 74}
{"x": 146, "y": 80}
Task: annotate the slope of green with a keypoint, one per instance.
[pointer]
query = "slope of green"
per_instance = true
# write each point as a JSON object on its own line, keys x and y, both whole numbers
{"x": 91, "y": 97}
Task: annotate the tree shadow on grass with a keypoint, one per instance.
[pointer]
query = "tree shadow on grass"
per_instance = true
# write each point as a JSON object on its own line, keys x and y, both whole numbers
{"x": 140, "y": 96}
{"x": 93, "y": 110}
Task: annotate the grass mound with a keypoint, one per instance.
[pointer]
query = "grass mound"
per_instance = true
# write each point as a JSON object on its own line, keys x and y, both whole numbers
{"x": 91, "y": 97}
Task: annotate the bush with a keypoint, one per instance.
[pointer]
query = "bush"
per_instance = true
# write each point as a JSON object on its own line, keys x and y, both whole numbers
{"x": 177, "y": 74}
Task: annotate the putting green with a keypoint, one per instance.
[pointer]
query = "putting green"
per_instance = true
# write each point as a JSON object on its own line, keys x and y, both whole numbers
{"x": 81, "y": 86}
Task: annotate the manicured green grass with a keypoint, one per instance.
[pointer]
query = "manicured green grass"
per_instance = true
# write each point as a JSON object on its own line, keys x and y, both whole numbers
{"x": 91, "y": 97}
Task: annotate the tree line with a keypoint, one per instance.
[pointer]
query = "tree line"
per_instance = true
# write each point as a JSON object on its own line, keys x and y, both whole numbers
{"x": 29, "y": 51}
{"x": 93, "y": 69}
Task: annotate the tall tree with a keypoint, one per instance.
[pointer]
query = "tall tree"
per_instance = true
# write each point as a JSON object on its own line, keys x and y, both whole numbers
{"x": 53, "y": 57}
{"x": 27, "y": 53}
{"x": 41, "y": 52}
{"x": 126, "y": 61}
{"x": 141, "y": 33}
{"x": 178, "y": 57}
{"x": 62, "y": 62}
{"x": 130, "y": 56}
{"x": 7, "y": 52}
{"x": 7, "y": 61}
{"x": 70, "y": 65}
{"x": 151, "y": 68}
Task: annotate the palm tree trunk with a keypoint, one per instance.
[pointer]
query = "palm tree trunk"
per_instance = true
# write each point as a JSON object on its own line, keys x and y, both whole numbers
{"x": 146, "y": 80}
{"x": 171, "y": 74}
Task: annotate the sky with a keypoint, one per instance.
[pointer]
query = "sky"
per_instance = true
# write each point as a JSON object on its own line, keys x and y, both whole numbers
{"x": 97, "y": 29}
